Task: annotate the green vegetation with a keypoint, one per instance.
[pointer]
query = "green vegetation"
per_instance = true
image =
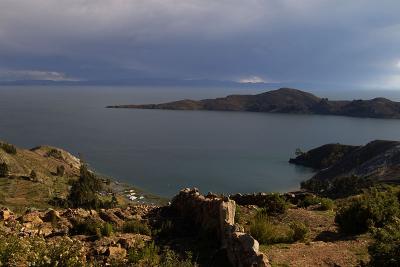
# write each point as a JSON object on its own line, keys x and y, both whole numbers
{"x": 274, "y": 204}
{"x": 84, "y": 191}
{"x": 35, "y": 251}
{"x": 385, "y": 251}
{"x": 324, "y": 203}
{"x": 339, "y": 187}
{"x": 151, "y": 255}
{"x": 8, "y": 148}
{"x": 374, "y": 208}
{"x": 136, "y": 227}
{"x": 4, "y": 171}
{"x": 266, "y": 232}
{"x": 88, "y": 226}
{"x": 107, "y": 229}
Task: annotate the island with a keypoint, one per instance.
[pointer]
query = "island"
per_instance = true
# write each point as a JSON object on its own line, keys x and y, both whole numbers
{"x": 285, "y": 100}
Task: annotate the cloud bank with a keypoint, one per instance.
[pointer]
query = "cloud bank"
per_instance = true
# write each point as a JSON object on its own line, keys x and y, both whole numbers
{"x": 331, "y": 42}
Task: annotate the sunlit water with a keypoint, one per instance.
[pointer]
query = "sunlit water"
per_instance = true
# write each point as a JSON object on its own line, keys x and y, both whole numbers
{"x": 164, "y": 151}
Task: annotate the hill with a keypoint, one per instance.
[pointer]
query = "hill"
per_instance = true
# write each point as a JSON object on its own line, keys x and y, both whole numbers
{"x": 285, "y": 100}
{"x": 350, "y": 167}
{"x": 33, "y": 177}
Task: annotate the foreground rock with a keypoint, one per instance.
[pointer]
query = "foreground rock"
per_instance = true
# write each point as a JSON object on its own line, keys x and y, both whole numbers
{"x": 217, "y": 215}
{"x": 286, "y": 100}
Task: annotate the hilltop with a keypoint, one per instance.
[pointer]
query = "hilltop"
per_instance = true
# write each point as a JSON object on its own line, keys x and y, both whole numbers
{"x": 285, "y": 100}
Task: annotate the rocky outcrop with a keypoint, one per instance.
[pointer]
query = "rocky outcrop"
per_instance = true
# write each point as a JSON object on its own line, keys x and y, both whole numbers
{"x": 285, "y": 100}
{"x": 217, "y": 215}
{"x": 324, "y": 156}
{"x": 346, "y": 170}
{"x": 378, "y": 160}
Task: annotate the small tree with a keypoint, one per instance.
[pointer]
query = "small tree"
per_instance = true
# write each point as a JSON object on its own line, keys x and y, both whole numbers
{"x": 84, "y": 191}
{"x": 4, "y": 171}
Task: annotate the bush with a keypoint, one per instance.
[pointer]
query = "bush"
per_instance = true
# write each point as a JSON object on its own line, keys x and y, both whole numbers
{"x": 299, "y": 231}
{"x": 275, "y": 204}
{"x": 107, "y": 229}
{"x": 136, "y": 227}
{"x": 87, "y": 226}
{"x": 326, "y": 204}
{"x": 36, "y": 251}
{"x": 4, "y": 171}
{"x": 151, "y": 255}
{"x": 265, "y": 232}
{"x": 8, "y": 148}
{"x": 373, "y": 208}
{"x": 309, "y": 201}
{"x": 146, "y": 256}
{"x": 385, "y": 250}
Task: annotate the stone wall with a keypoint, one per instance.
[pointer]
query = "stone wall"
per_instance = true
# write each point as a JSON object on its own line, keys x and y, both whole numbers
{"x": 217, "y": 215}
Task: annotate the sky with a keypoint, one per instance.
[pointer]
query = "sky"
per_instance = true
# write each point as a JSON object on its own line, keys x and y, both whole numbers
{"x": 327, "y": 42}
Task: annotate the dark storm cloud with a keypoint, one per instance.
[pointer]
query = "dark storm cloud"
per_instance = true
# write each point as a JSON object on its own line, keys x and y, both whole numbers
{"x": 334, "y": 42}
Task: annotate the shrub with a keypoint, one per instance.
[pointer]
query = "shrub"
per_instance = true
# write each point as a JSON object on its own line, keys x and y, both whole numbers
{"x": 275, "y": 204}
{"x": 373, "y": 208}
{"x": 136, "y": 227}
{"x": 266, "y": 232}
{"x": 107, "y": 229}
{"x": 4, "y": 171}
{"x": 87, "y": 226}
{"x": 145, "y": 256}
{"x": 309, "y": 201}
{"x": 299, "y": 231}
{"x": 36, "y": 251}
{"x": 326, "y": 204}
{"x": 385, "y": 250}
{"x": 151, "y": 255}
{"x": 8, "y": 148}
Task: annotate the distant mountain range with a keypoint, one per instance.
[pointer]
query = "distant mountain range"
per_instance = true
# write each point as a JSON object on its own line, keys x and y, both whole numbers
{"x": 144, "y": 82}
{"x": 285, "y": 100}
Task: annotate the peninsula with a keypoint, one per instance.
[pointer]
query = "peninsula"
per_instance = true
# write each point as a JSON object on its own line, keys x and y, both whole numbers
{"x": 285, "y": 100}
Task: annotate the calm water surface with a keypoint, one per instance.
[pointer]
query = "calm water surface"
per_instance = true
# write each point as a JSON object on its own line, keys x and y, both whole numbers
{"x": 164, "y": 151}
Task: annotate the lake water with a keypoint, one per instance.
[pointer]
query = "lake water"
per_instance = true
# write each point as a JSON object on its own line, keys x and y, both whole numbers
{"x": 164, "y": 151}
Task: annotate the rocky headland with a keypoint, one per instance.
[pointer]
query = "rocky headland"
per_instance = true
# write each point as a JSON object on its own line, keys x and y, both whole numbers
{"x": 285, "y": 100}
{"x": 351, "y": 167}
